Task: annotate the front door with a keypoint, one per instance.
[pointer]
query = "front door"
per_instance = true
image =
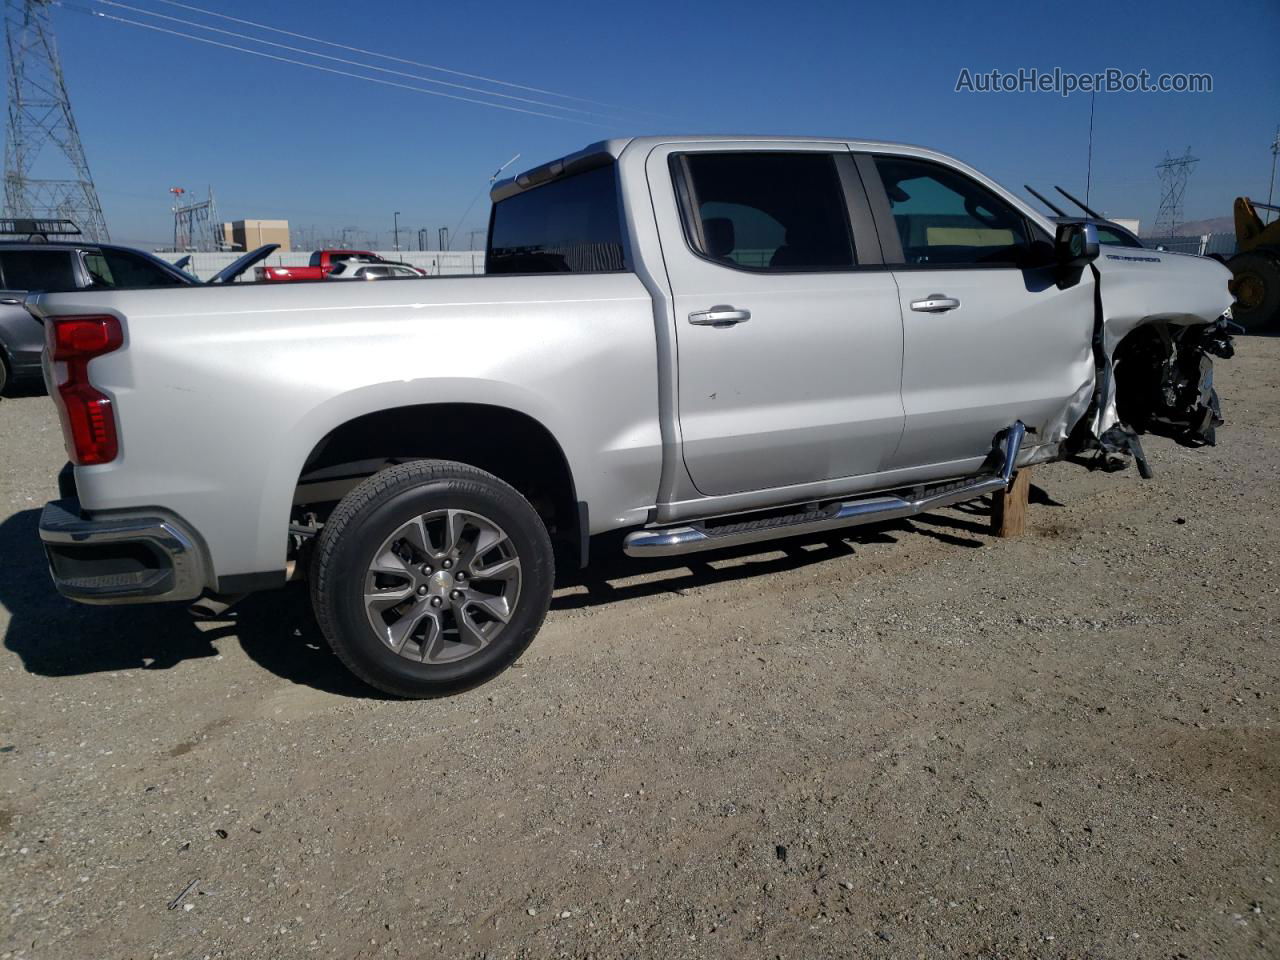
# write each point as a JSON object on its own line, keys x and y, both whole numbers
{"x": 989, "y": 337}
{"x": 788, "y": 327}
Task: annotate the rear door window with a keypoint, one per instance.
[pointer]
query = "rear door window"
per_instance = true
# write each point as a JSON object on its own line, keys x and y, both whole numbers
{"x": 570, "y": 225}
{"x": 768, "y": 211}
{"x": 50, "y": 271}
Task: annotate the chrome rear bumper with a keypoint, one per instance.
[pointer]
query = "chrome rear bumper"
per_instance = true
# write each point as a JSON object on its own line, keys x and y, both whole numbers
{"x": 134, "y": 559}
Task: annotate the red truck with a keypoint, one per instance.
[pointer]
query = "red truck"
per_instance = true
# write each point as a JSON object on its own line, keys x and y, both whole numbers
{"x": 322, "y": 261}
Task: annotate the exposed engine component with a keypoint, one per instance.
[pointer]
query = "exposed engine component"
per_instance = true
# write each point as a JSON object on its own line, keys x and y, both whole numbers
{"x": 1164, "y": 380}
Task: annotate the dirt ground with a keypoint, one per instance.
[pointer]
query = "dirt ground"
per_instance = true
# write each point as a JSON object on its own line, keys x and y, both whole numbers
{"x": 914, "y": 740}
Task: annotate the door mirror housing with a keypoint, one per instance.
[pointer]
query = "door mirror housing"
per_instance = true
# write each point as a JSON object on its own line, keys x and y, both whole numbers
{"x": 1076, "y": 244}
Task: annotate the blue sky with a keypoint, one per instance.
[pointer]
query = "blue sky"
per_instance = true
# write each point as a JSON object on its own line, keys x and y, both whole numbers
{"x": 281, "y": 141}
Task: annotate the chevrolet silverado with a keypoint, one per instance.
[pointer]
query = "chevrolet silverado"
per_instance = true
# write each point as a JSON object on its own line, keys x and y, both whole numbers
{"x": 688, "y": 342}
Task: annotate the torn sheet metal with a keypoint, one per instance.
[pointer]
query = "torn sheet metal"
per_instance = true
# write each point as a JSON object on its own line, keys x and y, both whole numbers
{"x": 1153, "y": 286}
{"x": 1137, "y": 288}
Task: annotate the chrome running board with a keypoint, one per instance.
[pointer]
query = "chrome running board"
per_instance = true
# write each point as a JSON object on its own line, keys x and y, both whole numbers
{"x": 695, "y": 537}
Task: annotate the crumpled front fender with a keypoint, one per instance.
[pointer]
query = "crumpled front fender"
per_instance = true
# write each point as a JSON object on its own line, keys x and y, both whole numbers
{"x": 1137, "y": 287}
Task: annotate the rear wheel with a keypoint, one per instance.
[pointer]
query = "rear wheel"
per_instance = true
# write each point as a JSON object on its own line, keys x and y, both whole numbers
{"x": 4, "y": 374}
{"x": 1256, "y": 285}
{"x": 430, "y": 577}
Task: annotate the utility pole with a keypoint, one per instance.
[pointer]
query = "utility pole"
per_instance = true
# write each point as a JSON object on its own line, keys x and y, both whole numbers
{"x": 1088, "y": 174}
{"x": 1271, "y": 184}
{"x": 41, "y": 123}
{"x": 397, "y": 230}
{"x": 1174, "y": 172}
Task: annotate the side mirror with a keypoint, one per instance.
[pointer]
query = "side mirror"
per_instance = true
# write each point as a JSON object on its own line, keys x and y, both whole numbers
{"x": 1076, "y": 244}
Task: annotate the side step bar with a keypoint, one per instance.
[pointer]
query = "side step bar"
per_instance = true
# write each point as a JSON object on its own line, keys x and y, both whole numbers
{"x": 695, "y": 537}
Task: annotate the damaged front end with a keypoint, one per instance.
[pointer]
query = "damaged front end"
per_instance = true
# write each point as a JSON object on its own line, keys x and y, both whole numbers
{"x": 1164, "y": 380}
{"x": 1160, "y": 319}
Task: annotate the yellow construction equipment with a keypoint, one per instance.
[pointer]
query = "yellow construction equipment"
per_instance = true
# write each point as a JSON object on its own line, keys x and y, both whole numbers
{"x": 1255, "y": 268}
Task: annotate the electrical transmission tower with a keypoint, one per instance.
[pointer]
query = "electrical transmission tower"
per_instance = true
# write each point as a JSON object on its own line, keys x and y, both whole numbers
{"x": 46, "y": 174}
{"x": 195, "y": 224}
{"x": 1174, "y": 173}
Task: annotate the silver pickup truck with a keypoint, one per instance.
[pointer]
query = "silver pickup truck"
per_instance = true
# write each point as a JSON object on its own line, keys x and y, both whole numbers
{"x": 691, "y": 342}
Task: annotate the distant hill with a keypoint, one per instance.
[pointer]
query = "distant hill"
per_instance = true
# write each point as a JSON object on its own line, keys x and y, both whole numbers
{"x": 1194, "y": 228}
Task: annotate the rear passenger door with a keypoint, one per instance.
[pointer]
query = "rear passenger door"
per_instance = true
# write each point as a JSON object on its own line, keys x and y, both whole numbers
{"x": 788, "y": 329}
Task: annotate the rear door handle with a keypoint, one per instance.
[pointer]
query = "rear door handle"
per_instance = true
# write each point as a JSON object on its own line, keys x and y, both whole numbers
{"x": 935, "y": 303}
{"x": 721, "y": 315}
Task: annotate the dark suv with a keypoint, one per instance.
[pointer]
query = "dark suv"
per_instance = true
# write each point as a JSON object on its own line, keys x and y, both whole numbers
{"x": 58, "y": 267}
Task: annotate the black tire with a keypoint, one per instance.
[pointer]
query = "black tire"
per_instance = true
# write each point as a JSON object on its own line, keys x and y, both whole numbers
{"x": 4, "y": 374}
{"x": 360, "y": 526}
{"x": 1256, "y": 281}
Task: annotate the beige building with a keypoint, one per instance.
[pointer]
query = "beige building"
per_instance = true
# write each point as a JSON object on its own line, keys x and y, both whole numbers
{"x": 249, "y": 234}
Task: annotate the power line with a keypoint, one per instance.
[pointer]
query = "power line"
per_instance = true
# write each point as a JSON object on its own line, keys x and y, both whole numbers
{"x": 383, "y": 56}
{"x": 332, "y": 70}
{"x": 343, "y": 60}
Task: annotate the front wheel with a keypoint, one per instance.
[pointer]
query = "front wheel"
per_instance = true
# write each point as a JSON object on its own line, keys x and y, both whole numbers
{"x": 430, "y": 577}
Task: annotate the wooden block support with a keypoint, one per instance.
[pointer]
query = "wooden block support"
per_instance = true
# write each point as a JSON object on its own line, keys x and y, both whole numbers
{"x": 1009, "y": 510}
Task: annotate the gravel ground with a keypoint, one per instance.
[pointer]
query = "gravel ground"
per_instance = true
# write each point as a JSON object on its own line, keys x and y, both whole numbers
{"x": 914, "y": 740}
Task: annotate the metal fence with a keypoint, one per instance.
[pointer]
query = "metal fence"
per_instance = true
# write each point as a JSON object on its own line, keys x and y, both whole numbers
{"x": 437, "y": 263}
{"x": 1223, "y": 244}
{"x": 448, "y": 263}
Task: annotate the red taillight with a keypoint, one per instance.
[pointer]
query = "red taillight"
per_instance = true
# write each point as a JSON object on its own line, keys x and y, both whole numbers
{"x": 88, "y": 422}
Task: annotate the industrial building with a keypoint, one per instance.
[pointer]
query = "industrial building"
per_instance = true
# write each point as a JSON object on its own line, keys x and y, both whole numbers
{"x": 249, "y": 234}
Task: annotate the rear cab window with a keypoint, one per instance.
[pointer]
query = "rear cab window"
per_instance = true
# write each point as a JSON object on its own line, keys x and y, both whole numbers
{"x": 570, "y": 225}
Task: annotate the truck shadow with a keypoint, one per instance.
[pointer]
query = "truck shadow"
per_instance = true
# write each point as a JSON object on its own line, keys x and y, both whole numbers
{"x": 613, "y": 576}
{"x": 55, "y": 637}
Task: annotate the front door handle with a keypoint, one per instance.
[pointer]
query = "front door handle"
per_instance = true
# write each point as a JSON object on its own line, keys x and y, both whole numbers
{"x": 721, "y": 315}
{"x": 935, "y": 303}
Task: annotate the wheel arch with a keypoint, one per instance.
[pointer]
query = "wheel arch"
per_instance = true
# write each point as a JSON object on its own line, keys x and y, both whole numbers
{"x": 511, "y": 443}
